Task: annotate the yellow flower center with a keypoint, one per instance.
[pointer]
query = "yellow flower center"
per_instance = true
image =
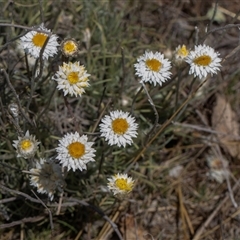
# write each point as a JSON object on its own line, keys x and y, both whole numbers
{"x": 203, "y": 60}
{"x": 120, "y": 126}
{"x": 69, "y": 47}
{"x": 183, "y": 51}
{"x": 73, "y": 77}
{"x": 122, "y": 184}
{"x": 39, "y": 39}
{"x": 26, "y": 144}
{"x": 154, "y": 64}
{"x": 76, "y": 149}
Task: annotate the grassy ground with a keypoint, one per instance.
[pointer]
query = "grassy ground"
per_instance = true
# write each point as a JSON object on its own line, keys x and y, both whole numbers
{"x": 175, "y": 196}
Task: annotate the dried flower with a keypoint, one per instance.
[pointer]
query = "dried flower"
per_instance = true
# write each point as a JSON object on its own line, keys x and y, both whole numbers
{"x": 69, "y": 47}
{"x": 120, "y": 184}
{"x": 47, "y": 177}
{"x": 180, "y": 54}
{"x": 26, "y": 146}
{"x": 218, "y": 168}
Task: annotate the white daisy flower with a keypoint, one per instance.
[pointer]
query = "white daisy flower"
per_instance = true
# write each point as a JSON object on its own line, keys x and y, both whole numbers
{"x": 74, "y": 152}
{"x": 69, "y": 47}
{"x": 181, "y": 52}
{"x": 26, "y": 146}
{"x": 203, "y": 60}
{"x": 118, "y": 128}
{"x": 72, "y": 78}
{"x": 218, "y": 168}
{"x": 33, "y": 42}
{"x": 153, "y": 68}
{"x": 120, "y": 184}
{"x": 47, "y": 177}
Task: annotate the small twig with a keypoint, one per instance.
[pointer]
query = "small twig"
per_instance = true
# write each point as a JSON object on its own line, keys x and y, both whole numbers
{"x": 22, "y": 231}
{"x": 182, "y": 209}
{"x": 32, "y": 85}
{"x": 31, "y": 199}
{"x": 135, "y": 97}
{"x": 234, "y": 51}
{"x": 68, "y": 204}
{"x": 24, "y": 220}
{"x": 231, "y": 14}
{"x": 106, "y": 229}
{"x": 47, "y": 105}
{"x": 16, "y": 125}
{"x": 196, "y": 35}
{"x": 49, "y": 212}
{"x": 3, "y": 112}
{"x": 191, "y": 89}
{"x": 9, "y": 2}
{"x": 61, "y": 197}
{"x": 219, "y": 29}
{"x": 230, "y": 191}
{"x": 41, "y": 59}
{"x": 179, "y": 73}
{"x": 101, "y": 99}
{"x": 16, "y": 96}
{"x": 211, "y": 216}
{"x": 124, "y": 70}
{"x": 27, "y": 66}
{"x": 59, "y": 204}
{"x": 19, "y": 193}
{"x": 41, "y": 10}
{"x": 8, "y": 166}
{"x": 9, "y": 34}
{"x": 155, "y": 112}
{"x": 100, "y": 212}
{"x": 24, "y": 27}
{"x": 100, "y": 116}
{"x": 214, "y": 14}
{"x": 10, "y": 41}
{"x": 6, "y": 200}
{"x": 30, "y": 173}
{"x": 204, "y": 129}
{"x": 148, "y": 234}
{"x": 226, "y": 175}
